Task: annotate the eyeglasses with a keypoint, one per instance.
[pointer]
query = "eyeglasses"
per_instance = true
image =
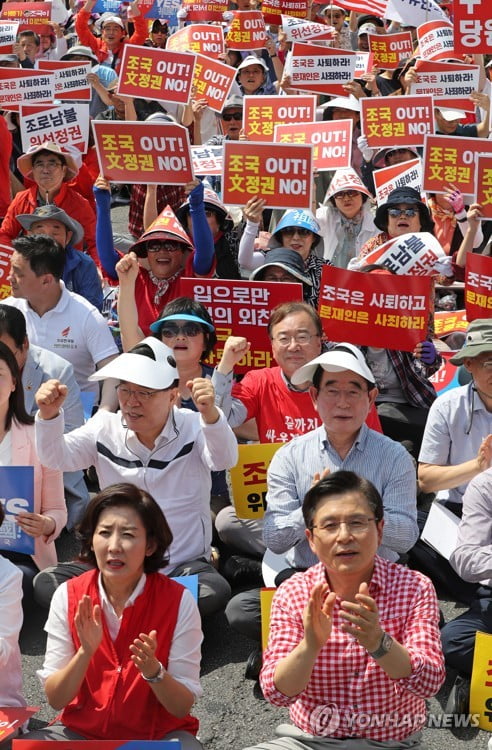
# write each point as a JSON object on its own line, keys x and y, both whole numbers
{"x": 485, "y": 363}
{"x": 169, "y": 245}
{"x": 302, "y": 338}
{"x": 171, "y": 330}
{"x": 124, "y": 392}
{"x": 233, "y": 116}
{"x": 49, "y": 164}
{"x": 335, "y": 394}
{"x": 397, "y": 212}
{"x": 355, "y": 526}
{"x": 301, "y": 231}
{"x": 347, "y": 194}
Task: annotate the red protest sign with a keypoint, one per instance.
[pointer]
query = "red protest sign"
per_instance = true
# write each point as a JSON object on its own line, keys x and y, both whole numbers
{"x": 29, "y": 14}
{"x": 396, "y": 120}
{"x": 450, "y": 158}
{"x": 241, "y": 308}
{"x": 205, "y": 10}
{"x": 143, "y": 152}
{"x": 473, "y": 27}
{"x": 406, "y": 174}
{"x": 200, "y": 38}
{"x": 449, "y": 83}
{"x": 273, "y": 9}
{"x": 67, "y": 124}
{"x": 213, "y": 81}
{"x": 321, "y": 69}
{"x": 70, "y": 79}
{"x": 389, "y": 49}
{"x": 281, "y": 174}
{"x": 299, "y": 30}
{"x": 449, "y": 321}
{"x": 24, "y": 86}
{"x": 156, "y": 73}
{"x": 247, "y": 30}
{"x": 262, "y": 113}
{"x": 436, "y": 40}
{"x": 5, "y": 255}
{"x": 374, "y": 309}
{"x": 478, "y": 287}
{"x": 12, "y": 718}
{"x": 8, "y": 35}
{"x": 483, "y": 184}
{"x": 331, "y": 141}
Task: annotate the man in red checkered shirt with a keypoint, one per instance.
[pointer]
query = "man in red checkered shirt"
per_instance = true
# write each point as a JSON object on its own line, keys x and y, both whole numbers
{"x": 354, "y": 647}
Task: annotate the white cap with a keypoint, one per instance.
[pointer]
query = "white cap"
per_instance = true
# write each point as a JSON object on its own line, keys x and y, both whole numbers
{"x": 339, "y": 359}
{"x": 344, "y": 102}
{"x": 252, "y": 60}
{"x": 452, "y": 114}
{"x": 367, "y": 28}
{"x": 157, "y": 371}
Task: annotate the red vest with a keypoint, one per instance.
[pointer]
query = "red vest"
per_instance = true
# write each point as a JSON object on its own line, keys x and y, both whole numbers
{"x": 114, "y": 702}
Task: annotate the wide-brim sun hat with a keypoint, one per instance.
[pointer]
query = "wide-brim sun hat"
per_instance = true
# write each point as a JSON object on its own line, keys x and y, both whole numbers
{"x": 252, "y": 60}
{"x": 285, "y": 258}
{"x": 406, "y": 195}
{"x": 24, "y": 162}
{"x": 341, "y": 358}
{"x": 379, "y": 158}
{"x": 157, "y": 372}
{"x": 157, "y": 325}
{"x": 478, "y": 341}
{"x": 297, "y": 218}
{"x": 55, "y": 213}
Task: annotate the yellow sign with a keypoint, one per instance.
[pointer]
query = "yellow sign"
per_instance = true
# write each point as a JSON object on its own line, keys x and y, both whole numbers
{"x": 248, "y": 478}
{"x": 266, "y": 597}
{"x": 481, "y": 681}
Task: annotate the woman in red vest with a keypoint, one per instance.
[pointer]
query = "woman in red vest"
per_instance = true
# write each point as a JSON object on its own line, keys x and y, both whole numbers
{"x": 123, "y": 652}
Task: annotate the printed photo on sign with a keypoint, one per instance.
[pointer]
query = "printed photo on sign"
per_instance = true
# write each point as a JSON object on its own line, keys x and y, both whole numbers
{"x": 16, "y": 496}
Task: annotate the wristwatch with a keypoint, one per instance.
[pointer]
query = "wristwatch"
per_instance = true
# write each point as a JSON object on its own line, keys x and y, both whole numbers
{"x": 383, "y": 648}
{"x": 158, "y": 677}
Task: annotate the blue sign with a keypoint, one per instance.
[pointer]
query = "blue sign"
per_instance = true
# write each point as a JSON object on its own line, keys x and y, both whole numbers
{"x": 17, "y": 496}
{"x": 107, "y": 6}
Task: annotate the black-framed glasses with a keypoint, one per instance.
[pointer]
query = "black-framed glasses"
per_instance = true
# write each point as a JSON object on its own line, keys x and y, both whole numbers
{"x": 232, "y": 116}
{"x": 189, "y": 329}
{"x": 397, "y": 212}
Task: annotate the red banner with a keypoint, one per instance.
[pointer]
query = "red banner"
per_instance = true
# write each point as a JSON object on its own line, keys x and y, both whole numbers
{"x": 282, "y": 175}
{"x": 389, "y": 49}
{"x": 331, "y": 141}
{"x": 143, "y": 152}
{"x": 374, "y": 310}
{"x": 247, "y": 30}
{"x": 262, "y": 113}
{"x": 29, "y": 14}
{"x": 449, "y": 83}
{"x": 199, "y": 37}
{"x": 405, "y": 174}
{"x": 149, "y": 73}
{"x": 436, "y": 40}
{"x": 241, "y": 308}
{"x": 205, "y": 10}
{"x": 483, "y": 184}
{"x": 273, "y": 9}
{"x": 449, "y": 158}
{"x": 24, "y": 86}
{"x": 212, "y": 81}
{"x": 473, "y": 27}
{"x": 12, "y": 718}
{"x": 478, "y": 287}
{"x": 321, "y": 69}
{"x": 70, "y": 79}
{"x": 396, "y": 120}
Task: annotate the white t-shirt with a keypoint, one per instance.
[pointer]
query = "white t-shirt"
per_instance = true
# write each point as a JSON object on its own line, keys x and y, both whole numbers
{"x": 10, "y": 625}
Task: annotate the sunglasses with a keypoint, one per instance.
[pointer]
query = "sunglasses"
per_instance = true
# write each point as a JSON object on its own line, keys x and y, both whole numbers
{"x": 169, "y": 245}
{"x": 234, "y": 116}
{"x": 347, "y": 194}
{"x": 397, "y": 212}
{"x": 171, "y": 330}
{"x": 301, "y": 231}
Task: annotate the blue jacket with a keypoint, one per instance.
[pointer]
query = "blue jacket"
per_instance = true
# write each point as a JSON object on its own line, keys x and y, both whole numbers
{"x": 80, "y": 276}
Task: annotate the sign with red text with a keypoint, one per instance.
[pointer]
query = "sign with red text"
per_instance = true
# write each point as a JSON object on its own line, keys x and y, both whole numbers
{"x": 331, "y": 141}
{"x": 65, "y": 124}
{"x": 262, "y": 113}
{"x": 12, "y": 718}
{"x": 414, "y": 254}
{"x": 28, "y": 14}
{"x": 413, "y": 13}
{"x": 241, "y": 308}
{"x": 406, "y": 174}
{"x": 212, "y": 81}
{"x": 274, "y": 10}
{"x": 8, "y": 35}
{"x": 436, "y": 40}
{"x": 249, "y": 478}
{"x": 396, "y": 120}
{"x": 478, "y": 287}
{"x": 363, "y": 64}
{"x": 389, "y": 49}
{"x": 299, "y": 30}
{"x": 450, "y": 158}
{"x": 207, "y": 160}
{"x": 281, "y": 174}
{"x": 374, "y": 309}
{"x": 5, "y": 256}
{"x": 449, "y": 83}
{"x": 247, "y": 30}
{"x": 156, "y": 74}
{"x": 321, "y": 69}
{"x": 473, "y": 24}
{"x": 24, "y": 86}
{"x": 70, "y": 79}
{"x": 483, "y": 185}
{"x": 449, "y": 321}
{"x": 143, "y": 152}
{"x": 205, "y": 10}
{"x": 199, "y": 37}
{"x": 447, "y": 375}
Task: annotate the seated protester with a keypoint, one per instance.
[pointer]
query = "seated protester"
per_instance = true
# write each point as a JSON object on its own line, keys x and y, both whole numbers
{"x": 297, "y": 230}
{"x": 352, "y": 601}
{"x": 252, "y": 77}
{"x": 170, "y": 255}
{"x": 80, "y": 274}
{"x": 448, "y": 121}
{"x": 230, "y": 120}
{"x": 472, "y": 562}
{"x": 155, "y": 445}
{"x": 10, "y": 626}
{"x": 346, "y": 220}
{"x": 37, "y": 365}
{"x": 51, "y": 169}
{"x": 117, "y": 663}
{"x": 109, "y": 48}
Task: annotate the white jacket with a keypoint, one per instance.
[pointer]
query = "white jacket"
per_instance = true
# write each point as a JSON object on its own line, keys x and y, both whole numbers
{"x": 330, "y": 221}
